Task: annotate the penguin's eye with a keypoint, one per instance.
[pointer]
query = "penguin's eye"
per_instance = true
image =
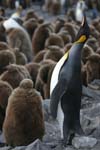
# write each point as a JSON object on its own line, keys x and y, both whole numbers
{"x": 82, "y": 39}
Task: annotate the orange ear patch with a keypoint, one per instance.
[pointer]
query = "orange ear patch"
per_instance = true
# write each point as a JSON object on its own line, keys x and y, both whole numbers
{"x": 81, "y": 39}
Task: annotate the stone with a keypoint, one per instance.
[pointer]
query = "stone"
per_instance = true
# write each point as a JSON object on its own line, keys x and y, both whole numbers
{"x": 5, "y": 148}
{"x": 91, "y": 93}
{"x": 69, "y": 148}
{"x": 37, "y": 145}
{"x": 46, "y": 108}
{"x": 84, "y": 142}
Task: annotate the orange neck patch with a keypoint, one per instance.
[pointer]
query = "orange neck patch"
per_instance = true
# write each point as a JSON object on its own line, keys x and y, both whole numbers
{"x": 82, "y": 39}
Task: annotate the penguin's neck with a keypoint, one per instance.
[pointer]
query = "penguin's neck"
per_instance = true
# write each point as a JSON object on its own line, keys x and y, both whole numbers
{"x": 75, "y": 54}
{"x": 73, "y": 64}
{"x": 75, "y": 51}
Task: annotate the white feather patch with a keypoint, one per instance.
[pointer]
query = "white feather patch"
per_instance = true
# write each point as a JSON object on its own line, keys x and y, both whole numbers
{"x": 11, "y": 23}
{"x": 60, "y": 118}
{"x": 55, "y": 74}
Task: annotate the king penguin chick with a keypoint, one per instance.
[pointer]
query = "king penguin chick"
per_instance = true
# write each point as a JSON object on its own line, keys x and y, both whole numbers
{"x": 24, "y": 121}
{"x": 66, "y": 88}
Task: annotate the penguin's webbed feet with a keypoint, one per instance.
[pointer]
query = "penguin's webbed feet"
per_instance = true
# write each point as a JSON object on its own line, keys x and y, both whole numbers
{"x": 68, "y": 140}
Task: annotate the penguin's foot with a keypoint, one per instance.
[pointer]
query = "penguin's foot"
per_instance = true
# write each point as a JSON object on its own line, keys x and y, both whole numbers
{"x": 80, "y": 131}
{"x": 63, "y": 143}
{"x": 72, "y": 135}
{"x": 68, "y": 141}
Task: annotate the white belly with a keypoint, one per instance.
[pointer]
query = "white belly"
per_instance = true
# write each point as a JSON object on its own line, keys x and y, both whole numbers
{"x": 79, "y": 15}
{"x": 55, "y": 74}
{"x": 11, "y": 23}
{"x": 60, "y": 118}
{"x": 54, "y": 81}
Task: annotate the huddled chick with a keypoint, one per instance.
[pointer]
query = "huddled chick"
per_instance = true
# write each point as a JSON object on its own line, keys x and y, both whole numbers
{"x": 43, "y": 78}
{"x": 14, "y": 74}
{"x": 86, "y": 52}
{"x": 30, "y": 25}
{"x": 3, "y": 45}
{"x": 59, "y": 23}
{"x": 70, "y": 29}
{"x": 5, "y": 92}
{"x": 39, "y": 56}
{"x": 54, "y": 39}
{"x": 33, "y": 69}
{"x": 39, "y": 37}
{"x": 93, "y": 68}
{"x": 24, "y": 121}
{"x": 31, "y": 14}
{"x": 53, "y": 6}
{"x": 6, "y": 57}
{"x": 54, "y": 53}
{"x": 21, "y": 58}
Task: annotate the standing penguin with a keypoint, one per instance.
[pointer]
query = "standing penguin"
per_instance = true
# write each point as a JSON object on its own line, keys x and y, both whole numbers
{"x": 66, "y": 88}
{"x": 79, "y": 11}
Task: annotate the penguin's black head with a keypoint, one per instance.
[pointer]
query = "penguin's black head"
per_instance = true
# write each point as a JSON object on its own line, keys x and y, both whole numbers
{"x": 83, "y": 32}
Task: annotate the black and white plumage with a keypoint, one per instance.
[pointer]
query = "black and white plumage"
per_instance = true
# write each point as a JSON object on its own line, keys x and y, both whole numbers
{"x": 79, "y": 11}
{"x": 66, "y": 87}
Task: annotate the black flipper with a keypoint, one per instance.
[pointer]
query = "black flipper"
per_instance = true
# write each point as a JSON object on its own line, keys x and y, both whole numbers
{"x": 56, "y": 95}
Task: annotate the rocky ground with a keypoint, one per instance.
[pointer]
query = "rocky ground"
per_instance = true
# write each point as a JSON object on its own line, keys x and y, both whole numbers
{"x": 90, "y": 117}
{"x": 90, "y": 121}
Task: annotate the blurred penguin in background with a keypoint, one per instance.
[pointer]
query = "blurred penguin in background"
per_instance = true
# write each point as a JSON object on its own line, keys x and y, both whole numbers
{"x": 2, "y": 12}
{"x": 94, "y": 10}
{"x": 17, "y": 4}
{"x": 62, "y": 4}
{"x": 17, "y": 13}
{"x": 79, "y": 11}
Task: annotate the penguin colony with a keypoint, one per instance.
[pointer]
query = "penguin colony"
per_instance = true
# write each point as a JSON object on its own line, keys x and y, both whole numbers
{"x": 26, "y": 73}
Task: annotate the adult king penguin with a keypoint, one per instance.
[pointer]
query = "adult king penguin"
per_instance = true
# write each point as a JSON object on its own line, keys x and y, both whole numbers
{"x": 79, "y": 11}
{"x": 66, "y": 87}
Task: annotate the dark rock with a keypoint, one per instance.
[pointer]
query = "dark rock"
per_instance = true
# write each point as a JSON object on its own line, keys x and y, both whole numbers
{"x": 52, "y": 132}
{"x": 91, "y": 94}
{"x": 46, "y": 108}
{"x": 96, "y": 82}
